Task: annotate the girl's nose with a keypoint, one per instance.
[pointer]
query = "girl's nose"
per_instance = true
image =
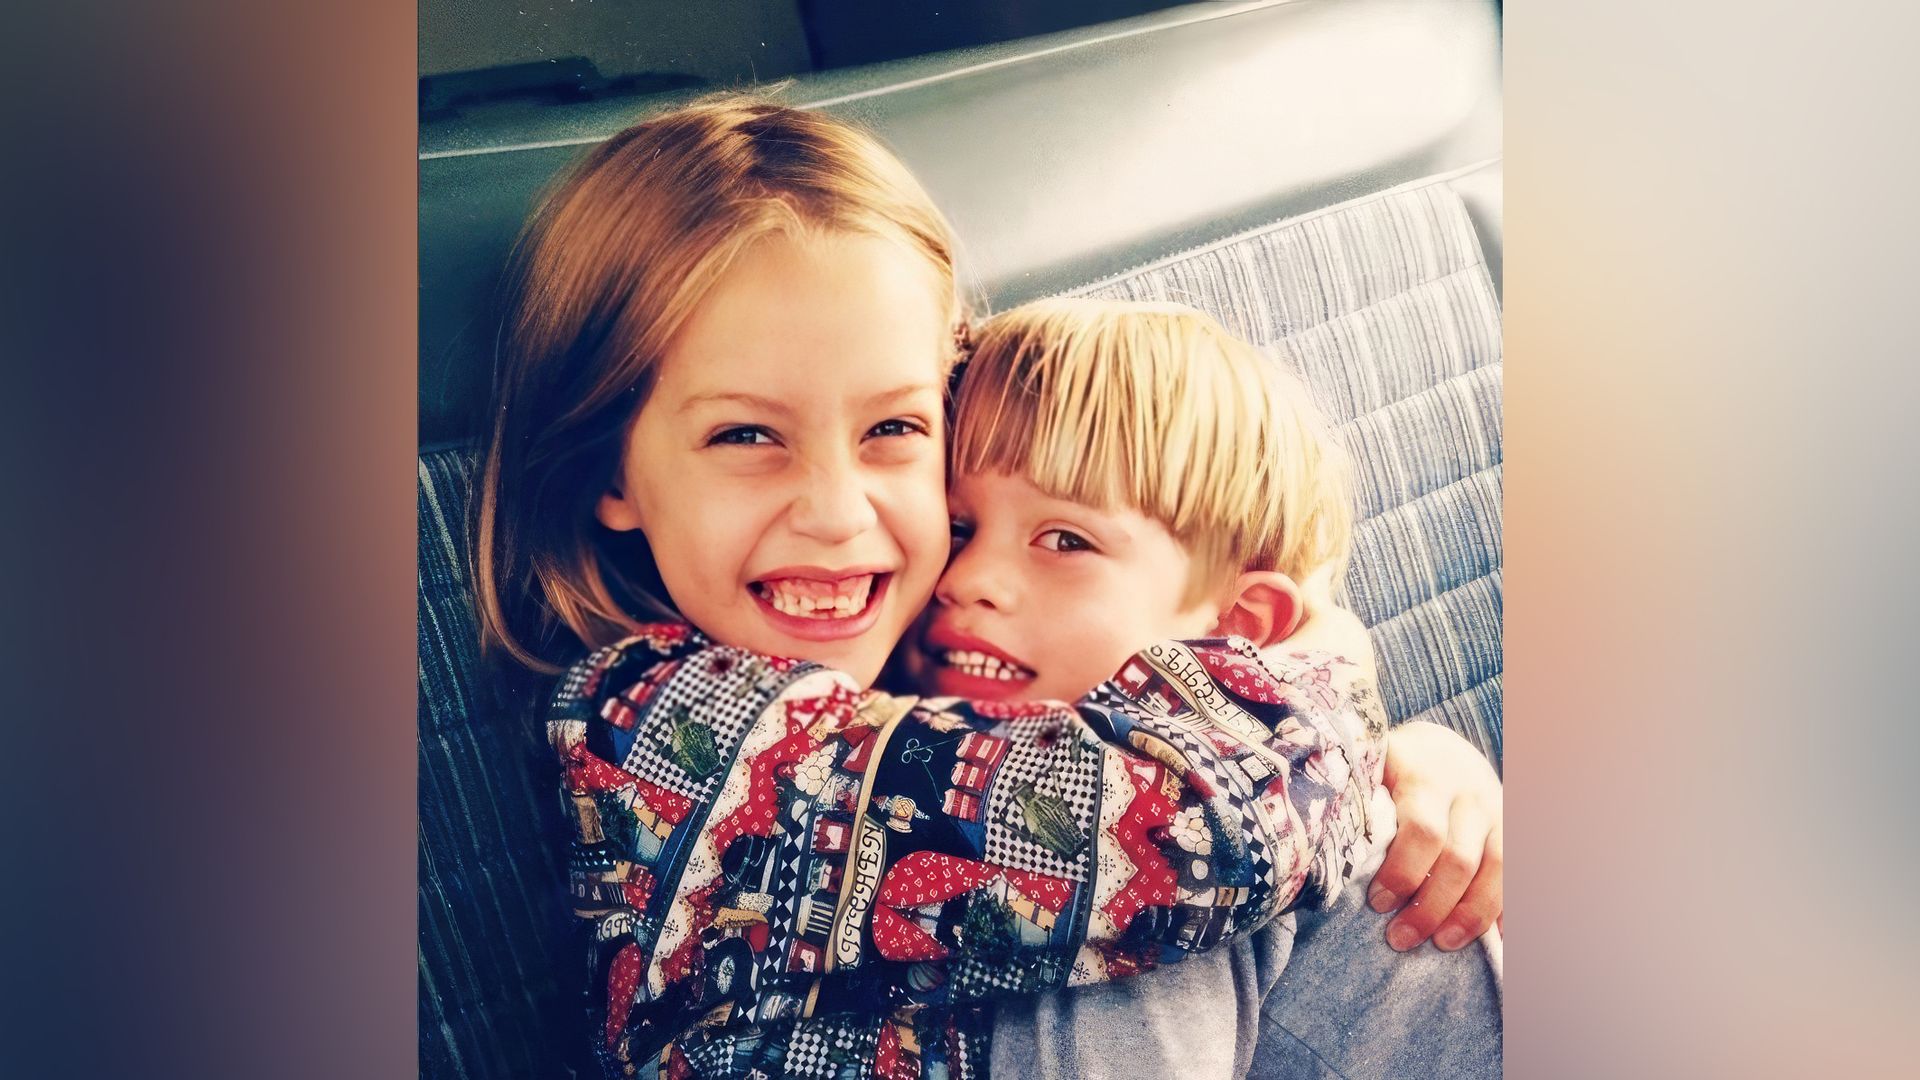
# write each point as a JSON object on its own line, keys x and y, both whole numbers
{"x": 833, "y": 506}
{"x": 973, "y": 577}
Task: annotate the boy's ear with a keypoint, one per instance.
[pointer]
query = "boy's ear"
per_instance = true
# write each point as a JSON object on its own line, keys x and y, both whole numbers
{"x": 1265, "y": 607}
{"x": 616, "y": 511}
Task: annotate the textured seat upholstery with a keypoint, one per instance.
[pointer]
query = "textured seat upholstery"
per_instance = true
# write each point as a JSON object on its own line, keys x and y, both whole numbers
{"x": 493, "y": 932}
{"x": 1386, "y": 301}
{"x": 1059, "y": 160}
{"x": 1385, "y": 306}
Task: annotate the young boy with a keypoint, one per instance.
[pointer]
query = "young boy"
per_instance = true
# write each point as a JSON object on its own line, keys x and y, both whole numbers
{"x": 785, "y": 876}
{"x": 1135, "y": 473}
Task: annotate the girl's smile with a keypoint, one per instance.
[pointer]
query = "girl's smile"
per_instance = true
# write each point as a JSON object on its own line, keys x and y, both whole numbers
{"x": 788, "y": 468}
{"x": 821, "y": 605}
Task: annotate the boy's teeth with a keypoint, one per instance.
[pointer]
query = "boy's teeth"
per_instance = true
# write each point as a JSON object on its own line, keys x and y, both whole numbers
{"x": 983, "y": 666}
{"x": 818, "y": 599}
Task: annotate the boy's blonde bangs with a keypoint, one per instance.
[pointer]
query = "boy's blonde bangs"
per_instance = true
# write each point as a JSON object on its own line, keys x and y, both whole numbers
{"x": 1156, "y": 408}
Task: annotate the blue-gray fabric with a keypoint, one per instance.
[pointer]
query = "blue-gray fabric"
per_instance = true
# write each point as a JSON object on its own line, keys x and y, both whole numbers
{"x": 495, "y": 938}
{"x": 1384, "y": 305}
{"x": 1347, "y": 1007}
{"x": 1322, "y": 999}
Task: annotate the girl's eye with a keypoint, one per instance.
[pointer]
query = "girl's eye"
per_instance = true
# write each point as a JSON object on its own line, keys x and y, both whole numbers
{"x": 1064, "y": 540}
{"x": 742, "y": 435}
{"x": 896, "y": 427}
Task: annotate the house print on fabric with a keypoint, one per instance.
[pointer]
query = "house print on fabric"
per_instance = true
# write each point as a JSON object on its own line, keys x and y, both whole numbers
{"x": 787, "y": 876}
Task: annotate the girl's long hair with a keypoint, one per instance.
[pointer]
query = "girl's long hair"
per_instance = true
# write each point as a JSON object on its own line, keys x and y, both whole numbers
{"x": 618, "y": 254}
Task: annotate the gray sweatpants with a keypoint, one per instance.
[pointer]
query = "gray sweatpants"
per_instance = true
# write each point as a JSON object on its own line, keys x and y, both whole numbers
{"x": 1321, "y": 997}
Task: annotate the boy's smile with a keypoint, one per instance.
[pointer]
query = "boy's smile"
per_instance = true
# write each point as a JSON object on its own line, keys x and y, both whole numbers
{"x": 971, "y": 667}
{"x": 1045, "y": 598}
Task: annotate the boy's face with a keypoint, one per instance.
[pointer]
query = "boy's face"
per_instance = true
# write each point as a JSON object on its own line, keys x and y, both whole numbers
{"x": 1045, "y": 599}
{"x": 788, "y": 469}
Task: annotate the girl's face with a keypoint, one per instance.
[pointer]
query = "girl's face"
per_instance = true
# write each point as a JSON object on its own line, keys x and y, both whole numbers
{"x": 788, "y": 470}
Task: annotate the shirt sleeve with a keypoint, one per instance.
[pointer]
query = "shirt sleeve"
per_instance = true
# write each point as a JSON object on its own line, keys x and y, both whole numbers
{"x": 757, "y": 841}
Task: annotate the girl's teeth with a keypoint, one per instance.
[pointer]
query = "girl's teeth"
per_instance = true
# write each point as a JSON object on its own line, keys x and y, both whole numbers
{"x": 818, "y": 601}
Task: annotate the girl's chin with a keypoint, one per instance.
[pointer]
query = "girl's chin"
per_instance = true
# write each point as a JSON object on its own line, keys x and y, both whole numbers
{"x": 861, "y": 658}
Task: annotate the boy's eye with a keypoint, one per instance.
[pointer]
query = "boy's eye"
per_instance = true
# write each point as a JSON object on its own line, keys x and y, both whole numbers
{"x": 1063, "y": 540}
{"x": 896, "y": 427}
{"x": 960, "y": 531}
{"x": 741, "y": 435}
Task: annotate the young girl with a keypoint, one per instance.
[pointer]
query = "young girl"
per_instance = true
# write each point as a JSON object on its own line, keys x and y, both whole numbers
{"x": 722, "y": 402}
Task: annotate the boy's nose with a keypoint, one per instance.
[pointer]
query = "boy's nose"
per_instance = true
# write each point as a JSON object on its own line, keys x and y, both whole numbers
{"x": 972, "y": 578}
{"x": 832, "y": 507}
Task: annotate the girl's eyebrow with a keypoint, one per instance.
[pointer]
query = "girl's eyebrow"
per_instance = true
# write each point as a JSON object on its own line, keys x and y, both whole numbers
{"x": 739, "y": 398}
{"x": 885, "y": 397}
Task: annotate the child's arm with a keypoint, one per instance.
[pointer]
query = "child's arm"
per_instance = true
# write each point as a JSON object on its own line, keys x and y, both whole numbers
{"x": 759, "y": 841}
{"x": 1447, "y": 851}
{"x": 1447, "y": 854}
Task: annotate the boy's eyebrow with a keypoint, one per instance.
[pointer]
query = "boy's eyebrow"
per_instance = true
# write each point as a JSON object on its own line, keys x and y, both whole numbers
{"x": 1085, "y": 516}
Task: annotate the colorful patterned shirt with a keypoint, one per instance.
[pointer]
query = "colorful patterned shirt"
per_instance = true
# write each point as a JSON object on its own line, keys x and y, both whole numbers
{"x": 784, "y": 875}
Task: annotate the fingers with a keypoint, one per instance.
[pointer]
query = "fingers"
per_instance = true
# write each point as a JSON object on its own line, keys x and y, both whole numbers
{"x": 1481, "y": 905}
{"x": 1452, "y": 872}
{"x": 1422, "y": 832}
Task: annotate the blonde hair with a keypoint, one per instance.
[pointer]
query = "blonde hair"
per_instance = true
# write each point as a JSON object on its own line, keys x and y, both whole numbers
{"x": 618, "y": 254}
{"x": 1158, "y": 409}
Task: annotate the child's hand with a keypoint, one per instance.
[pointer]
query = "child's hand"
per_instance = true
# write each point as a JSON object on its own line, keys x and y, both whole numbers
{"x": 1447, "y": 852}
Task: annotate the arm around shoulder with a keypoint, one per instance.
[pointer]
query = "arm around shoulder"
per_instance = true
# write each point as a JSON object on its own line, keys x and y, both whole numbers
{"x": 758, "y": 840}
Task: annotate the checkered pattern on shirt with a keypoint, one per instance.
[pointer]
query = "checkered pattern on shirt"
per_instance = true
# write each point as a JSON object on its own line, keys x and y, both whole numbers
{"x": 820, "y": 1044}
{"x": 726, "y": 693}
{"x": 1064, "y": 769}
{"x": 974, "y": 979}
{"x": 569, "y": 698}
{"x": 710, "y": 1058}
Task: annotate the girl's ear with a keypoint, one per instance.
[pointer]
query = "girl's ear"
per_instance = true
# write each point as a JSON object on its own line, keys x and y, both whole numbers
{"x": 1266, "y": 607}
{"x": 616, "y": 511}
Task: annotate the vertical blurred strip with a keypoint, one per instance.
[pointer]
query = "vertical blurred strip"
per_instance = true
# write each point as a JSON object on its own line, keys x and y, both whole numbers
{"x": 209, "y": 436}
{"x": 1711, "y": 241}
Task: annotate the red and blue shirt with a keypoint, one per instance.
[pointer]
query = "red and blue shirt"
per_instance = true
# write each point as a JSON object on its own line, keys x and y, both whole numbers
{"x": 784, "y": 875}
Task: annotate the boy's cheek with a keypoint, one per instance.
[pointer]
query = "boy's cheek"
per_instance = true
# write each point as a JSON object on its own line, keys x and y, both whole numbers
{"x": 1102, "y": 641}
